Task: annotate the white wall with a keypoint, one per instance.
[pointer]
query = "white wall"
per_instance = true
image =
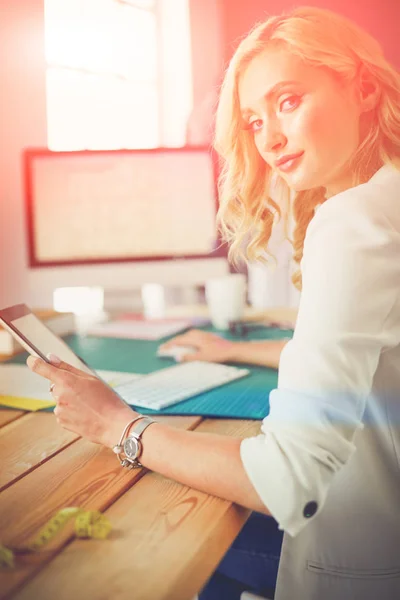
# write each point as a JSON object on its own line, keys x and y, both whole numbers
{"x": 22, "y": 123}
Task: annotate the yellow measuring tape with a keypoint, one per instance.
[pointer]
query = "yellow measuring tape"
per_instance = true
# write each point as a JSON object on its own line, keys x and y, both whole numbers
{"x": 88, "y": 524}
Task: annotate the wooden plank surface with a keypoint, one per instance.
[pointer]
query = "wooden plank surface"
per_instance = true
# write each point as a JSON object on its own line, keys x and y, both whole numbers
{"x": 9, "y": 414}
{"x": 28, "y": 442}
{"x": 82, "y": 474}
{"x": 167, "y": 539}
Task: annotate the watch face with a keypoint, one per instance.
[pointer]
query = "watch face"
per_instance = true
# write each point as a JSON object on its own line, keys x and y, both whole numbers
{"x": 131, "y": 448}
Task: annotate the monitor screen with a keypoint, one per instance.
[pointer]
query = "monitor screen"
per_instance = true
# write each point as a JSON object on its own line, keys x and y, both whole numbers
{"x": 90, "y": 207}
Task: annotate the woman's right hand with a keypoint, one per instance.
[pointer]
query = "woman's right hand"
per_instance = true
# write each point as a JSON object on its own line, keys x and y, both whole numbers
{"x": 208, "y": 346}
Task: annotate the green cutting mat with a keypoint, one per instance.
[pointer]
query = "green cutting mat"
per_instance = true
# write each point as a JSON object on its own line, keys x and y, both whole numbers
{"x": 246, "y": 398}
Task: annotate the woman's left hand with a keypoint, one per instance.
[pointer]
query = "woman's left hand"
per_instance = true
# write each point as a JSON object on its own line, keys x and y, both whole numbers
{"x": 85, "y": 405}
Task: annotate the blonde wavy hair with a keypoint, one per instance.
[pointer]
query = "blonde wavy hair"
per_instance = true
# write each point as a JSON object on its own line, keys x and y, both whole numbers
{"x": 322, "y": 38}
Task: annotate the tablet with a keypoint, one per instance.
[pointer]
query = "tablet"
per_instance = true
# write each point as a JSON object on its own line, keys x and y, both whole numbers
{"x": 36, "y": 337}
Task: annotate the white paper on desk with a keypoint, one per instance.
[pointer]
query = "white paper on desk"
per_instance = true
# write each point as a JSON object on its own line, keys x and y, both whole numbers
{"x": 19, "y": 381}
{"x": 139, "y": 330}
{"x": 114, "y": 378}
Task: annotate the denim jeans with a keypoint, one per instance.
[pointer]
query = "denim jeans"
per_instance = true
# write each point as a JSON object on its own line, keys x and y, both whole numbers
{"x": 251, "y": 563}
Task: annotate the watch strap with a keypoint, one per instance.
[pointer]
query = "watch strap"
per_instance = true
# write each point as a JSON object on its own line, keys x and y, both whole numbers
{"x": 140, "y": 427}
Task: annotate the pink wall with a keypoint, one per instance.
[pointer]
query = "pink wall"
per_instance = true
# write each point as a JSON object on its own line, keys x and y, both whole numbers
{"x": 380, "y": 17}
{"x": 207, "y": 47}
{"x": 22, "y": 123}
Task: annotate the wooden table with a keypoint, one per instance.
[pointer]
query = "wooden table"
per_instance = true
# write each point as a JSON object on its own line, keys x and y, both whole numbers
{"x": 166, "y": 539}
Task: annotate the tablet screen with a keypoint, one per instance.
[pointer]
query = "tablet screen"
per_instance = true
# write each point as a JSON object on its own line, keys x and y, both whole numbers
{"x": 36, "y": 337}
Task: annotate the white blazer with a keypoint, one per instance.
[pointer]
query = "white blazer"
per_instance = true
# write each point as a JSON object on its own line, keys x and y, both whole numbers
{"x": 327, "y": 461}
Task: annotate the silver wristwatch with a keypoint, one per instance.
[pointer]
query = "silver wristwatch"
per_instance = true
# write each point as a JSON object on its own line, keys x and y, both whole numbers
{"x": 132, "y": 446}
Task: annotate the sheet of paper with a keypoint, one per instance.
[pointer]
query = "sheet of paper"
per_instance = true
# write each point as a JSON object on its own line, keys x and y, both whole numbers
{"x": 140, "y": 330}
{"x": 23, "y": 390}
{"x": 114, "y": 378}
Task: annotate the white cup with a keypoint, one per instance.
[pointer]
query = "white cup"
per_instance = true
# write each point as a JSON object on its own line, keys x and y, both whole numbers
{"x": 226, "y": 298}
{"x": 154, "y": 301}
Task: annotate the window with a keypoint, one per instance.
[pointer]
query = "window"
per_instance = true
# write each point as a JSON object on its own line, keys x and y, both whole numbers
{"x": 118, "y": 73}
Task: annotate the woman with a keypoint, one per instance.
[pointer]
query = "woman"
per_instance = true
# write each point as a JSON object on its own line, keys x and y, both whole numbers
{"x": 308, "y": 96}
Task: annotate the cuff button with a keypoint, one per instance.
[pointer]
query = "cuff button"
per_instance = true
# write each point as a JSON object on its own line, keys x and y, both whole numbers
{"x": 310, "y": 509}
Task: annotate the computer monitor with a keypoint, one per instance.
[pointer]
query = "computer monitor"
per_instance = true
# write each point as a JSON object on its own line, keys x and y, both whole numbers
{"x": 121, "y": 218}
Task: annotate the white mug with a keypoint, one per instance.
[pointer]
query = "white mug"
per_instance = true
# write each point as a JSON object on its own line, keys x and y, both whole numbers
{"x": 154, "y": 301}
{"x": 226, "y": 299}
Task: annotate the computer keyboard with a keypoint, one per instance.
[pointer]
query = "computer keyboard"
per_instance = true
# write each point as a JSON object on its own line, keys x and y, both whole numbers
{"x": 174, "y": 384}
